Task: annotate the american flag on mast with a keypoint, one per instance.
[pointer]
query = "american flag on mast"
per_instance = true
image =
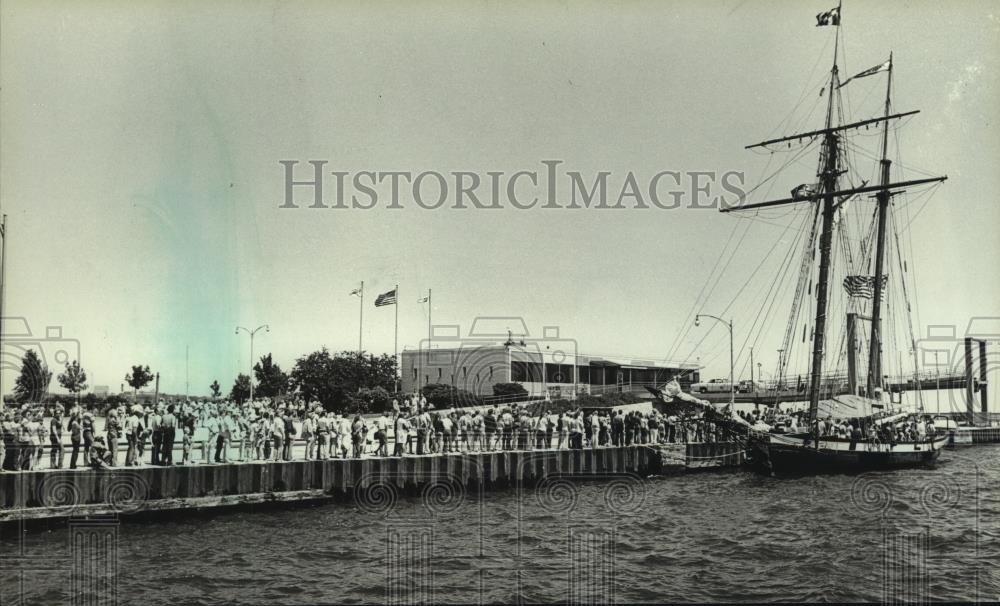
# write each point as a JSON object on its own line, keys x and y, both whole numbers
{"x": 863, "y": 286}
{"x": 386, "y": 298}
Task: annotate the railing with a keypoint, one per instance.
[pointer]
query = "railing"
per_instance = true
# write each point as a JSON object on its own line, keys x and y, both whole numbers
{"x": 428, "y": 443}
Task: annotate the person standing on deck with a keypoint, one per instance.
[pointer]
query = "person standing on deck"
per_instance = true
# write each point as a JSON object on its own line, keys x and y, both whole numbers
{"x": 168, "y": 425}
{"x": 344, "y": 430}
{"x": 595, "y": 429}
{"x": 186, "y": 446}
{"x": 490, "y": 429}
{"x": 156, "y": 433}
{"x": 309, "y": 435}
{"x": 87, "y": 424}
{"x": 323, "y": 435}
{"x": 211, "y": 425}
{"x": 131, "y": 430}
{"x": 358, "y": 435}
{"x": 401, "y": 436}
{"x": 382, "y": 436}
{"x": 277, "y": 436}
{"x": 55, "y": 439}
{"x": 113, "y": 429}
{"x": 428, "y": 425}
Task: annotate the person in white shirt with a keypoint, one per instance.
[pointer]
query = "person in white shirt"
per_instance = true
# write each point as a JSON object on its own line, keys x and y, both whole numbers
{"x": 402, "y": 435}
{"x": 382, "y": 435}
{"x": 345, "y": 434}
{"x": 278, "y": 435}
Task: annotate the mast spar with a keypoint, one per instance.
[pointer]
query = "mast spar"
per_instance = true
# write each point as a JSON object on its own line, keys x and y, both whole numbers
{"x": 882, "y": 197}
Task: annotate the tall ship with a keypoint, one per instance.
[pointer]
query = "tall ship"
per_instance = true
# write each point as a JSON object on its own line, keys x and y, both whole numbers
{"x": 852, "y": 266}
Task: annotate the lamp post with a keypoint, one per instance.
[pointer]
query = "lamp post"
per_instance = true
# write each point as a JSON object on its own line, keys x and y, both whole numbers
{"x": 252, "y": 333}
{"x": 937, "y": 383}
{"x": 732, "y": 362}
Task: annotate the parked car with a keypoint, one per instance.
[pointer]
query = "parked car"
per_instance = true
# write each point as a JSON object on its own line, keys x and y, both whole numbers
{"x": 713, "y": 386}
{"x": 747, "y": 386}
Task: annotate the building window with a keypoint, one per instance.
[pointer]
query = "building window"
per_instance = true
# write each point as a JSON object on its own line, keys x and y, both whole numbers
{"x": 427, "y": 379}
{"x": 491, "y": 372}
{"x": 465, "y": 372}
{"x": 525, "y": 372}
{"x": 414, "y": 374}
{"x": 439, "y": 374}
{"x": 559, "y": 373}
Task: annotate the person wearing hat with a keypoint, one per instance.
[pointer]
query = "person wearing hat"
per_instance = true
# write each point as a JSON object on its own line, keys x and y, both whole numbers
{"x": 113, "y": 429}
{"x": 100, "y": 458}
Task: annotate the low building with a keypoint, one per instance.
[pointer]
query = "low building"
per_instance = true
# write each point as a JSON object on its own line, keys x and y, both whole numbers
{"x": 101, "y": 391}
{"x": 540, "y": 367}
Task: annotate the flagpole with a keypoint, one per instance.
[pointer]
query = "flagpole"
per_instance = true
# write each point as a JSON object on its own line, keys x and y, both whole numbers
{"x": 361, "y": 319}
{"x": 395, "y": 345}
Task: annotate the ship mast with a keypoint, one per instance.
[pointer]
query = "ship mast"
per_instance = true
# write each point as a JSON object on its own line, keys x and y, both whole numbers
{"x": 882, "y": 197}
{"x": 828, "y": 176}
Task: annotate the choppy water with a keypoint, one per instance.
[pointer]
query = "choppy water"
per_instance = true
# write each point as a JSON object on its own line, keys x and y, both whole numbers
{"x": 728, "y": 536}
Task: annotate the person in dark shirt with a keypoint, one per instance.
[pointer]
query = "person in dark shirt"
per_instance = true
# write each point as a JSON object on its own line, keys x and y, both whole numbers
{"x": 55, "y": 439}
{"x": 168, "y": 427}
{"x": 490, "y": 425}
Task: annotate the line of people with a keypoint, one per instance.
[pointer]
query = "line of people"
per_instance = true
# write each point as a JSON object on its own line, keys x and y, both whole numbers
{"x": 267, "y": 430}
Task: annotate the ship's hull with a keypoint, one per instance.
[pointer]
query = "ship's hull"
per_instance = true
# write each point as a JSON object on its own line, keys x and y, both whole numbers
{"x": 797, "y": 454}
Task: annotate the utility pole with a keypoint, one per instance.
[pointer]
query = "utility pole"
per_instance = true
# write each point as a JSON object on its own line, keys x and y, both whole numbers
{"x": 252, "y": 333}
{"x": 732, "y": 361}
{"x": 3, "y": 292}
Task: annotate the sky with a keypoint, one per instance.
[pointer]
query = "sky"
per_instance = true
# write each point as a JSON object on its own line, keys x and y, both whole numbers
{"x": 140, "y": 149}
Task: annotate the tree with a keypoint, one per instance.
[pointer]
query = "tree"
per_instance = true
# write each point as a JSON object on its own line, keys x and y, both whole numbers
{"x": 216, "y": 390}
{"x": 241, "y": 388}
{"x": 34, "y": 379}
{"x": 74, "y": 378}
{"x": 373, "y": 399}
{"x": 137, "y": 379}
{"x": 335, "y": 380}
{"x": 271, "y": 380}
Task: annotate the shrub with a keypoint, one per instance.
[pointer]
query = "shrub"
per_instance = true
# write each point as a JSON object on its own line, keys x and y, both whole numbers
{"x": 446, "y": 396}
{"x": 511, "y": 390}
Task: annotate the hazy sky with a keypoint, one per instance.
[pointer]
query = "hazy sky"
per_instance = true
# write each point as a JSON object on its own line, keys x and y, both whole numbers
{"x": 141, "y": 143}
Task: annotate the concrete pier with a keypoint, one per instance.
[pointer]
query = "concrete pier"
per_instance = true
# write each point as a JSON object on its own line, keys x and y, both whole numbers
{"x": 54, "y": 494}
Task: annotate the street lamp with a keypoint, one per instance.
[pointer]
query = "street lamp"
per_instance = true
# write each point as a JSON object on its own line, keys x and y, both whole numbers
{"x": 252, "y": 333}
{"x": 732, "y": 363}
{"x": 937, "y": 383}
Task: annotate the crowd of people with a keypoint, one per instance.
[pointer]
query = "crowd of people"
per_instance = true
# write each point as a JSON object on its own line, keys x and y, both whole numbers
{"x": 900, "y": 428}
{"x": 276, "y": 430}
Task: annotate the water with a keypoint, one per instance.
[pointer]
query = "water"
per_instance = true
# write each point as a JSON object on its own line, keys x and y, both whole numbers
{"x": 719, "y": 536}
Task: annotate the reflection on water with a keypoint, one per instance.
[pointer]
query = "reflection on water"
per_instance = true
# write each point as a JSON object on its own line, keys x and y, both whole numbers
{"x": 727, "y": 536}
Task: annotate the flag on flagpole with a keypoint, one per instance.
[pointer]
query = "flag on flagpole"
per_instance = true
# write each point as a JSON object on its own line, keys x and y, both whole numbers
{"x": 868, "y": 72}
{"x": 830, "y": 17}
{"x": 863, "y": 286}
{"x": 386, "y": 298}
{"x": 422, "y": 300}
{"x": 356, "y": 292}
